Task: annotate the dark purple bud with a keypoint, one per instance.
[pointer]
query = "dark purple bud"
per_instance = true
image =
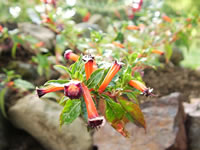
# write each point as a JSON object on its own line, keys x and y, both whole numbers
{"x": 73, "y": 90}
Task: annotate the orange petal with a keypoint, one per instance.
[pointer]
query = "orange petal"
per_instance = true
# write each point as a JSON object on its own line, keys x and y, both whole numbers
{"x": 111, "y": 73}
{"x": 132, "y": 27}
{"x": 166, "y": 18}
{"x": 48, "y": 89}
{"x": 138, "y": 85}
{"x": 118, "y": 44}
{"x": 91, "y": 109}
{"x": 158, "y": 52}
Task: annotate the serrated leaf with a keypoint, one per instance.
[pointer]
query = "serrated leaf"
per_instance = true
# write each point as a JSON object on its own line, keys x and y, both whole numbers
{"x": 113, "y": 111}
{"x": 70, "y": 112}
{"x": 114, "y": 115}
{"x": 23, "y": 84}
{"x": 57, "y": 82}
{"x": 135, "y": 111}
{"x": 95, "y": 78}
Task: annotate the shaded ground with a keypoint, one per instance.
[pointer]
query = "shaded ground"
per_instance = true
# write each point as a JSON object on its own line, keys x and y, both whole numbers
{"x": 173, "y": 79}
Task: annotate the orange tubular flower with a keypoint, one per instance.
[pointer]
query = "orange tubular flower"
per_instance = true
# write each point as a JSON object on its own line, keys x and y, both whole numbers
{"x": 70, "y": 55}
{"x": 140, "y": 86}
{"x": 95, "y": 66}
{"x": 39, "y": 44}
{"x": 158, "y": 52}
{"x": 1, "y": 28}
{"x": 111, "y": 73}
{"x": 167, "y": 19}
{"x": 88, "y": 65}
{"x": 86, "y": 17}
{"x": 118, "y": 44}
{"x": 132, "y": 27}
{"x": 94, "y": 120}
{"x": 48, "y": 89}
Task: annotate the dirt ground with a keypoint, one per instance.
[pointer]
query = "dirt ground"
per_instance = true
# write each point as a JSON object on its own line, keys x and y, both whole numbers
{"x": 174, "y": 79}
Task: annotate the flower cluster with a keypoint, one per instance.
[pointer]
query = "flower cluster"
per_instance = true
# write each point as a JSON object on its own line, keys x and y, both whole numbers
{"x": 75, "y": 88}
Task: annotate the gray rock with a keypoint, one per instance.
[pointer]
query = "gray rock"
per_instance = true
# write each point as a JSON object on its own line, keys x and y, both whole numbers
{"x": 27, "y": 71}
{"x": 3, "y": 132}
{"x": 165, "y": 129}
{"x": 40, "y": 33}
{"x": 40, "y": 118}
{"x": 192, "y": 109}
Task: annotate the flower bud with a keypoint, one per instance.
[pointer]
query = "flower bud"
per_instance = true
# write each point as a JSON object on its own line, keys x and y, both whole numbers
{"x": 73, "y": 90}
{"x": 70, "y": 55}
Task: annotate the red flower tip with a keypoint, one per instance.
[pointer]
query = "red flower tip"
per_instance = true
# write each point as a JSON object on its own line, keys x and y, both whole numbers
{"x": 70, "y": 55}
{"x": 96, "y": 122}
{"x": 73, "y": 90}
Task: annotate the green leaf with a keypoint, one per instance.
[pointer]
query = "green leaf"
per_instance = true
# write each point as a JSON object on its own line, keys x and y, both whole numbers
{"x": 2, "y": 101}
{"x": 64, "y": 68}
{"x": 95, "y": 78}
{"x": 57, "y": 82}
{"x": 132, "y": 96}
{"x": 120, "y": 37}
{"x": 115, "y": 115}
{"x": 63, "y": 100}
{"x": 114, "y": 111}
{"x": 71, "y": 111}
{"x": 23, "y": 84}
{"x": 84, "y": 110}
{"x": 13, "y": 51}
{"x": 133, "y": 110}
{"x": 169, "y": 51}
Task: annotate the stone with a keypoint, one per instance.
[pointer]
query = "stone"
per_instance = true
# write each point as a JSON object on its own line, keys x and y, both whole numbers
{"x": 3, "y": 132}
{"x": 42, "y": 34}
{"x": 192, "y": 109}
{"x": 40, "y": 118}
{"x": 26, "y": 70}
{"x": 165, "y": 128}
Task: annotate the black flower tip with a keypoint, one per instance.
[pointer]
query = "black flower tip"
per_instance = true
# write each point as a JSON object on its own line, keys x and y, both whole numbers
{"x": 40, "y": 92}
{"x": 148, "y": 92}
{"x": 96, "y": 122}
{"x": 88, "y": 58}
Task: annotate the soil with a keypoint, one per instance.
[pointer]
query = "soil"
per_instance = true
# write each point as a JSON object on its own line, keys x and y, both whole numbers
{"x": 173, "y": 79}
